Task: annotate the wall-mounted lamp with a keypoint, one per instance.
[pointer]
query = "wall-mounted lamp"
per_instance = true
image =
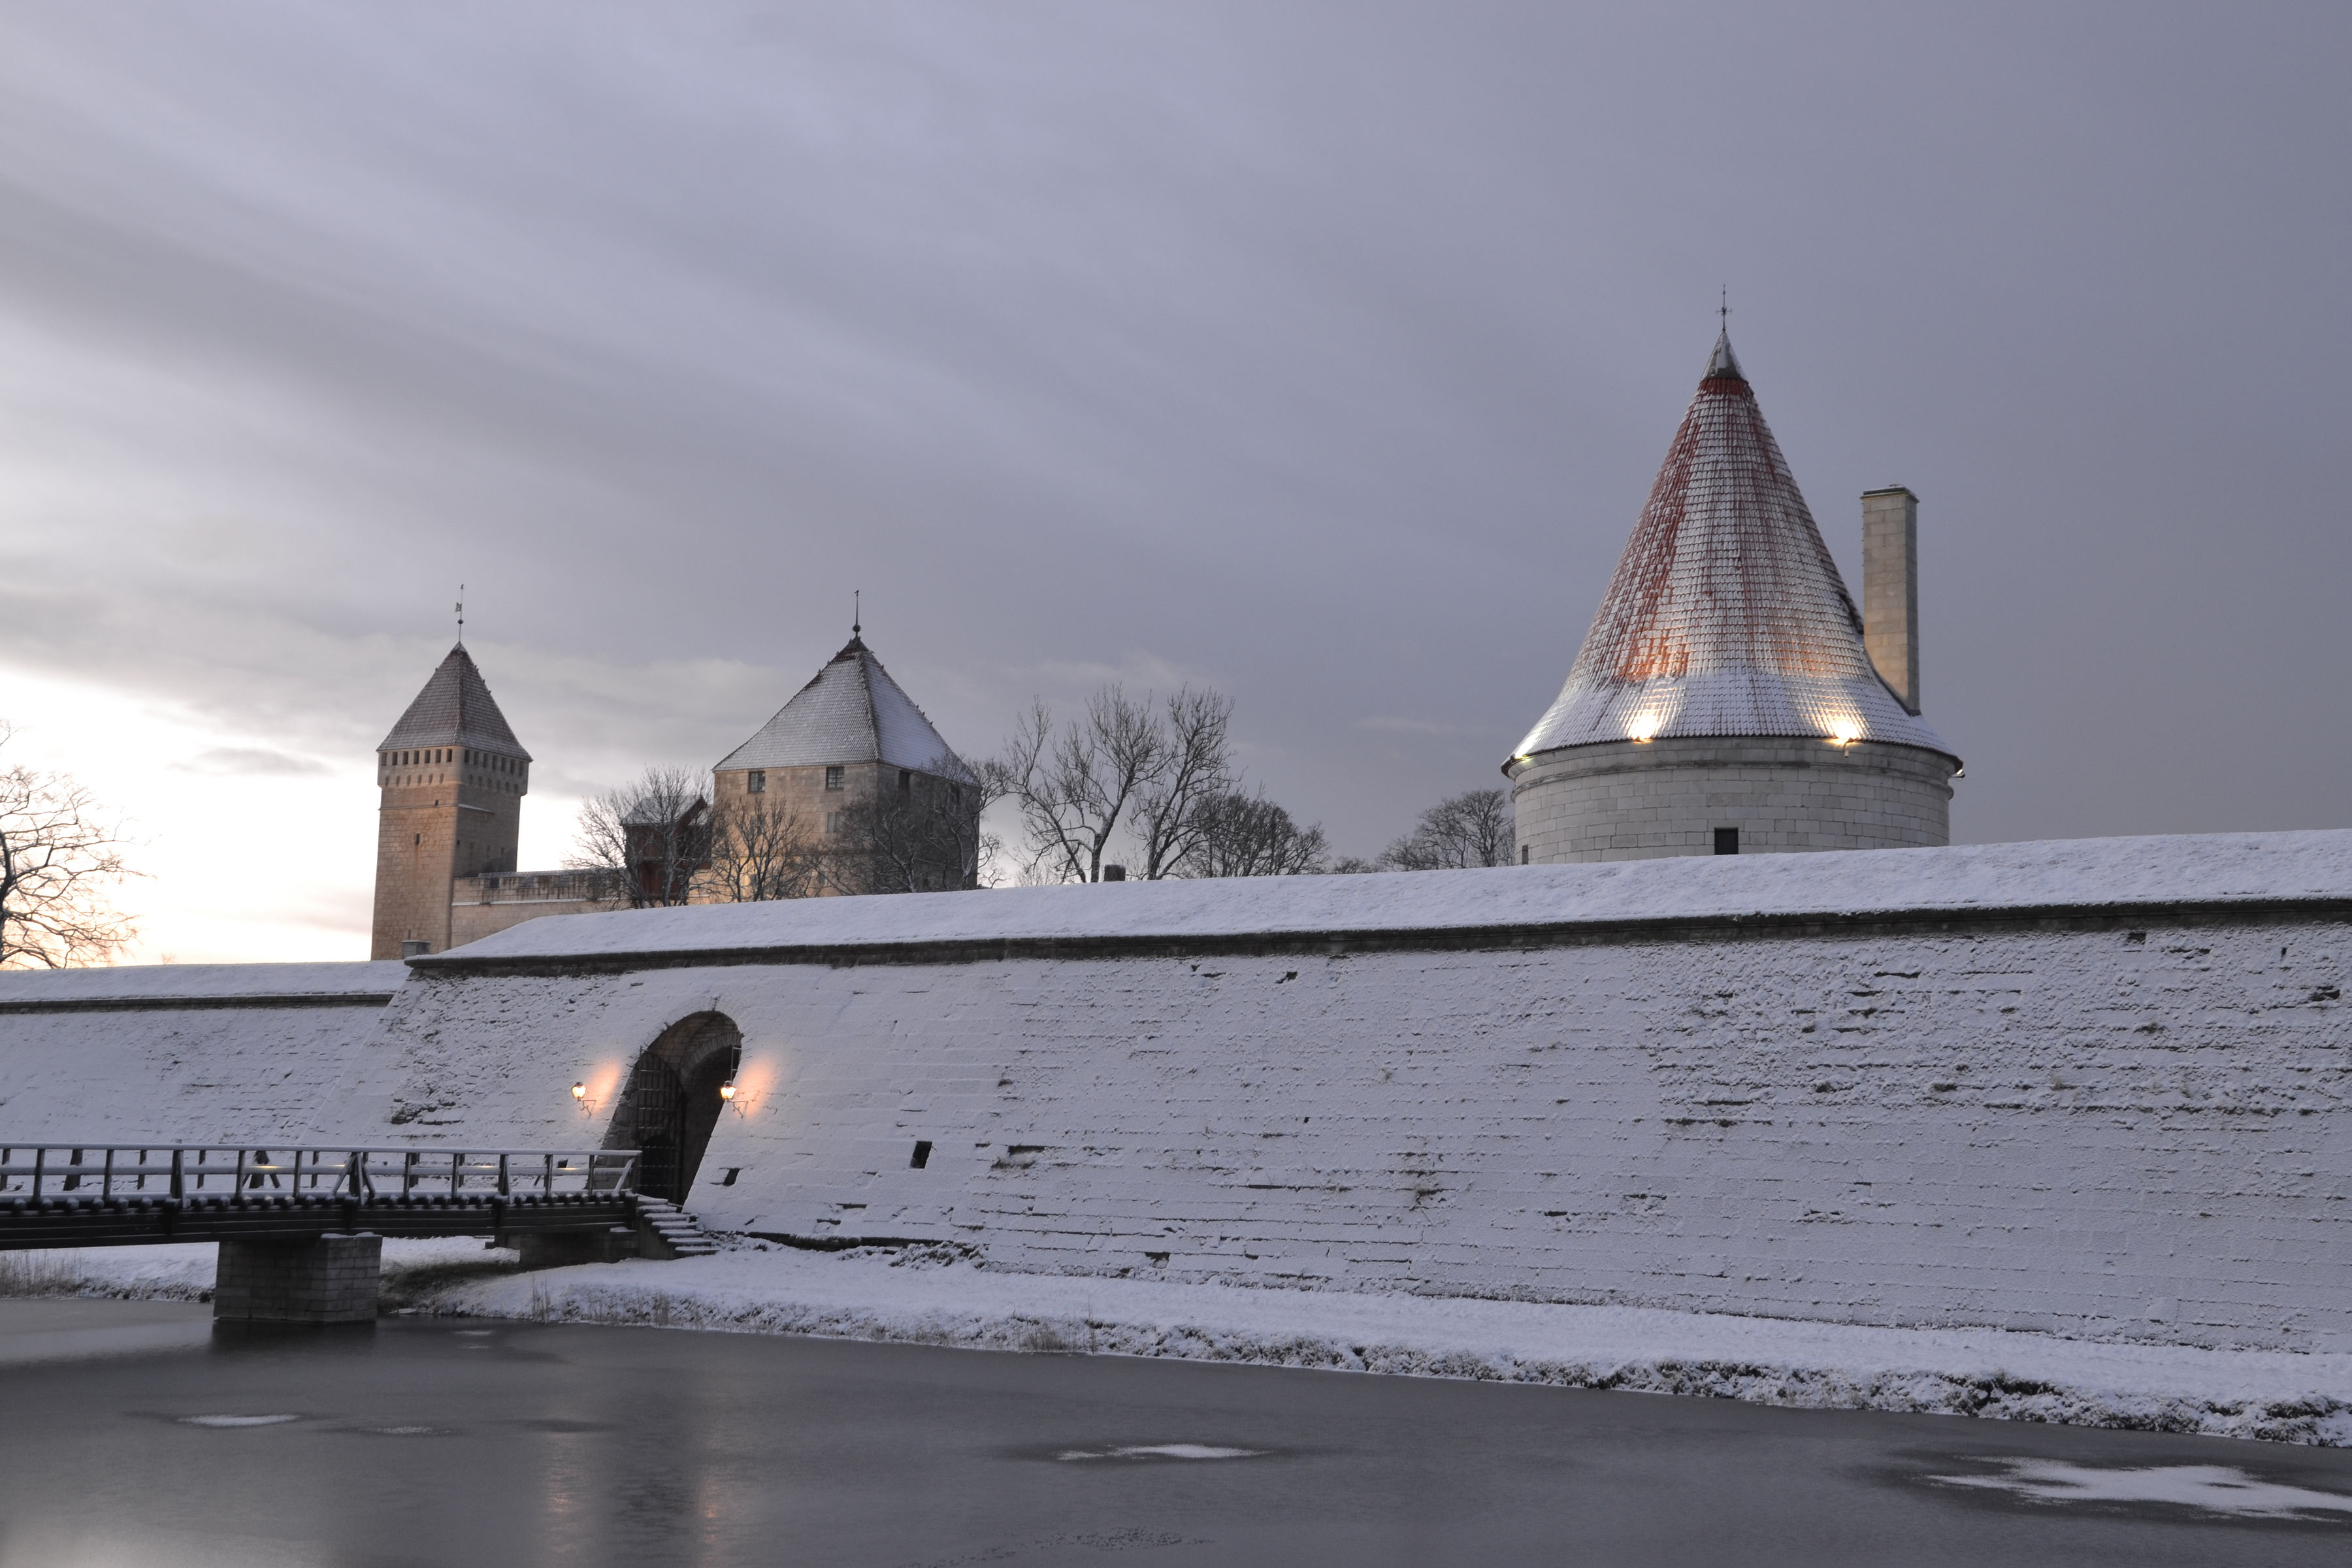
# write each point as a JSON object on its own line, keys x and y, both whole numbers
{"x": 727, "y": 1089}
{"x": 579, "y": 1092}
{"x": 579, "y": 1099}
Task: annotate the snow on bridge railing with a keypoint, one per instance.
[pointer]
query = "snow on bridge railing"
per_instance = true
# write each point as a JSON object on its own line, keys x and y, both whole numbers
{"x": 94, "y": 1170}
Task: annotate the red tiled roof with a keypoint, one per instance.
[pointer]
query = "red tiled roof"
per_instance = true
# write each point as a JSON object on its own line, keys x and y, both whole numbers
{"x": 1726, "y": 615}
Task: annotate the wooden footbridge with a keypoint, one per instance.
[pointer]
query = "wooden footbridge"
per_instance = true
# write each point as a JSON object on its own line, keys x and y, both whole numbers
{"x": 300, "y": 1229}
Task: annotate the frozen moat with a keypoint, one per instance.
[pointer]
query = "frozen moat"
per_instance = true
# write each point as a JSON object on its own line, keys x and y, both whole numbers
{"x": 438, "y": 1441}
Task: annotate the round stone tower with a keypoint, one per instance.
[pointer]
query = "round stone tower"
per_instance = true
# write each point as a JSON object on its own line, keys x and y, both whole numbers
{"x": 1725, "y": 700}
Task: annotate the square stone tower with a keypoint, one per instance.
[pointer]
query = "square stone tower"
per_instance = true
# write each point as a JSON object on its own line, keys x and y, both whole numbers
{"x": 852, "y": 769}
{"x": 453, "y": 777}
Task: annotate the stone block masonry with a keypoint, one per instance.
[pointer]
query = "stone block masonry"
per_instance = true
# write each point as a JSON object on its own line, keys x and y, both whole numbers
{"x": 328, "y": 1279}
{"x": 2123, "y": 1121}
{"x": 2101, "y": 1088}
{"x": 1645, "y": 800}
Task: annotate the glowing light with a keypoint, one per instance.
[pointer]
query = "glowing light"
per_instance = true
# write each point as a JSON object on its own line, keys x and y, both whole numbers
{"x": 1846, "y": 734}
{"x": 1643, "y": 726}
{"x": 579, "y": 1092}
{"x": 727, "y": 1089}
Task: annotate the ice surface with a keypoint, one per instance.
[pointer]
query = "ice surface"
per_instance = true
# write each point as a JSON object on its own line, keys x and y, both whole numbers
{"x": 916, "y": 1298}
{"x": 2215, "y": 1489}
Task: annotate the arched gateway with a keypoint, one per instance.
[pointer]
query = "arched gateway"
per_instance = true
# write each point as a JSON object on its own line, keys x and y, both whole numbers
{"x": 672, "y": 1102}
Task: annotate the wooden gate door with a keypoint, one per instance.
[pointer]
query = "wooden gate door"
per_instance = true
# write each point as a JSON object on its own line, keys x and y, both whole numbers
{"x": 657, "y": 1110}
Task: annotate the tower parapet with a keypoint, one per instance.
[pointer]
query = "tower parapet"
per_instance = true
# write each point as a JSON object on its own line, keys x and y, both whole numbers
{"x": 1724, "y": 700}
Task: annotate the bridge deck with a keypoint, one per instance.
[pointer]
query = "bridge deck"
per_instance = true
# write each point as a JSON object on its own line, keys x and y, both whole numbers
{"x": 88, "y": 1195}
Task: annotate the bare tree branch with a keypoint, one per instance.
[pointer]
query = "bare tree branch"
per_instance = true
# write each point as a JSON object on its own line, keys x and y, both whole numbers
{"x": 1250, "y": 836}
{"x": 59, "y": 866}
{"x": 1198, "y": 769}
{"x": 762, "y": 849}
{"x": 922, "y": 838}
{"x": 650, "y": 837}
{"x": 1074, "y": 787}
{"x": 1469, "y": 829}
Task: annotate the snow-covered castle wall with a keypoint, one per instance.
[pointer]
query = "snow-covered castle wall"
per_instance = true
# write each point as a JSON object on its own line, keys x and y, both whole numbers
{"x": 192, "y": 1053}
{"x": 2097, "y": 1087}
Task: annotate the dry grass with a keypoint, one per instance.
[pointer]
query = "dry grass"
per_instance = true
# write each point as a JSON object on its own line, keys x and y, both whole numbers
{"x": 38, "y": 1273}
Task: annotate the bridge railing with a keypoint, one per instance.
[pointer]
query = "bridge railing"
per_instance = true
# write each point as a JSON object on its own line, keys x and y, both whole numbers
{"x": 91, "y": 1170}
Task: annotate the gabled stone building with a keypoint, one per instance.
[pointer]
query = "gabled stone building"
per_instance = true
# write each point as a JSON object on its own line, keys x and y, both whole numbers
{"x": 887, "y": 805}
{"x": 1728, "y": 697}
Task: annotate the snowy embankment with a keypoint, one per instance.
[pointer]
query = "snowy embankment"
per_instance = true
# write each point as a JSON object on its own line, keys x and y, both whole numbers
{"x": 910, "y": 1297}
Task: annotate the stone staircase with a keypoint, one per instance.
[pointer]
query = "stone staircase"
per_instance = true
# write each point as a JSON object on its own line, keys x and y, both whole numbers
{"x": 667, "y": 1231}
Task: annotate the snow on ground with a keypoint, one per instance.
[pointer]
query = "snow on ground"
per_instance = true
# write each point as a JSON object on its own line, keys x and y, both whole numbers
{"x": 921, "y": 1296}
{"x": 183, "y": 1271}
{"x": 2219, "y": 867}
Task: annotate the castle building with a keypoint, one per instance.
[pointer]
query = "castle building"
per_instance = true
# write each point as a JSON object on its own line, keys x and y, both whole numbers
{"x": 452, "y": 777}
{"x": 848, "y": 789}
{"x": 852, "y": 766}
{"x": 1728, "y": 697}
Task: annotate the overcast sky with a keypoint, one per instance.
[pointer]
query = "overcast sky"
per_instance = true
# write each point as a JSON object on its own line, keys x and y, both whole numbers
{"x": 1320, "y": 352}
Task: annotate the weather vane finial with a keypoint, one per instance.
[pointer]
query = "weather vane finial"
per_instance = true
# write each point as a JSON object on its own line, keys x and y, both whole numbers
{"x": 461, "y": 615}
{"x": 856, "y": 612}
{"x": 1723, "y": 309}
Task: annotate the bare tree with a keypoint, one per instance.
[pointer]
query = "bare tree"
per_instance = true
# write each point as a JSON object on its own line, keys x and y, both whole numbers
{"x": 1171, "y": 822}
{"x": 1250, "y": 836}
{"x": 922, "y": 837}
{"x": 650, "y": 837}
{"x": 1074, "y": 786}
{"x": 1469, "y": 829}
{"x": 60, "y": 863}
{"x": 762, "y": 849}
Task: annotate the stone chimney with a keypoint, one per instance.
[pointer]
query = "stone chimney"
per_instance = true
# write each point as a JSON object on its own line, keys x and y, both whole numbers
{"x": 1890, "y": 589}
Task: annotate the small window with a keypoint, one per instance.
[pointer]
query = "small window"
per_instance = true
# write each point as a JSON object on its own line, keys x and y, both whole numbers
{"x": 906, "y": 782}
{"x": 755, "y": 782}
{"x": 833, "y": 822}
{"x": 1523, "y": 854}
{"x": 1727, "y": 841}
{"x": 833, "y": 778}
{"x": 955, "y": 794}
{"x": 922, "y": 1155}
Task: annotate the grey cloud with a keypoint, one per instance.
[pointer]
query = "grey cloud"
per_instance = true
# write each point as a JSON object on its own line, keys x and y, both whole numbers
{"x": 252, "y": 763}
{"x": 1323, "y": 352}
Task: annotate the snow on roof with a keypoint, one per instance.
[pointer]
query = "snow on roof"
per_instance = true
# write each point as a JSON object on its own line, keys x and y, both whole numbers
{"x": 456, "y": 708}
{"x": 851, "y": 712}
{"x": 173, "y": 981}
{"x": 1726, "y": 615}
{"x": 2059, "y": 873}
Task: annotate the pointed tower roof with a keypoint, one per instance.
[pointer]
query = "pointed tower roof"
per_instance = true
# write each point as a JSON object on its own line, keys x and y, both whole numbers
{"x": 1726, "y": 615}
{"x": 852, "y": 713}
{"x": 456, "y": 708}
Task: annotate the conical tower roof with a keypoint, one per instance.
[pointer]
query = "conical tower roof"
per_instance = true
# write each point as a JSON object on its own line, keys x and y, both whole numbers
{"x": 1726, "y": 615}
{"x": 852, "y": 713}
{"x": 456, "y": 708}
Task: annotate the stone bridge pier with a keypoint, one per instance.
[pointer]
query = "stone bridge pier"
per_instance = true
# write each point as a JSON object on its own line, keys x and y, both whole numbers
{"x": 330, "y": 1279}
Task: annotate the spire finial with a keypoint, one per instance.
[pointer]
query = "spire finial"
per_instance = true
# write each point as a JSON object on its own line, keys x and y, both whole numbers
{"x": 1723, "y": 309}
{"x": 856, "y": 612}
{"x": 461, "y": 615}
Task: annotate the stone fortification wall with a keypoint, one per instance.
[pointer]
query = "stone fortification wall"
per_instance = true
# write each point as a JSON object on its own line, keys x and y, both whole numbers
{"x": 2100, "y": 1088}
{"x": 186, "y": 1053}
{"x": 1640, "y": 800}
{"x": 2094, "y": 1090}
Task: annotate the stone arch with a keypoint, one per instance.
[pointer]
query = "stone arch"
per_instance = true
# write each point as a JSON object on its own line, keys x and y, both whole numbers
{"x": 671, "y": 1102}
